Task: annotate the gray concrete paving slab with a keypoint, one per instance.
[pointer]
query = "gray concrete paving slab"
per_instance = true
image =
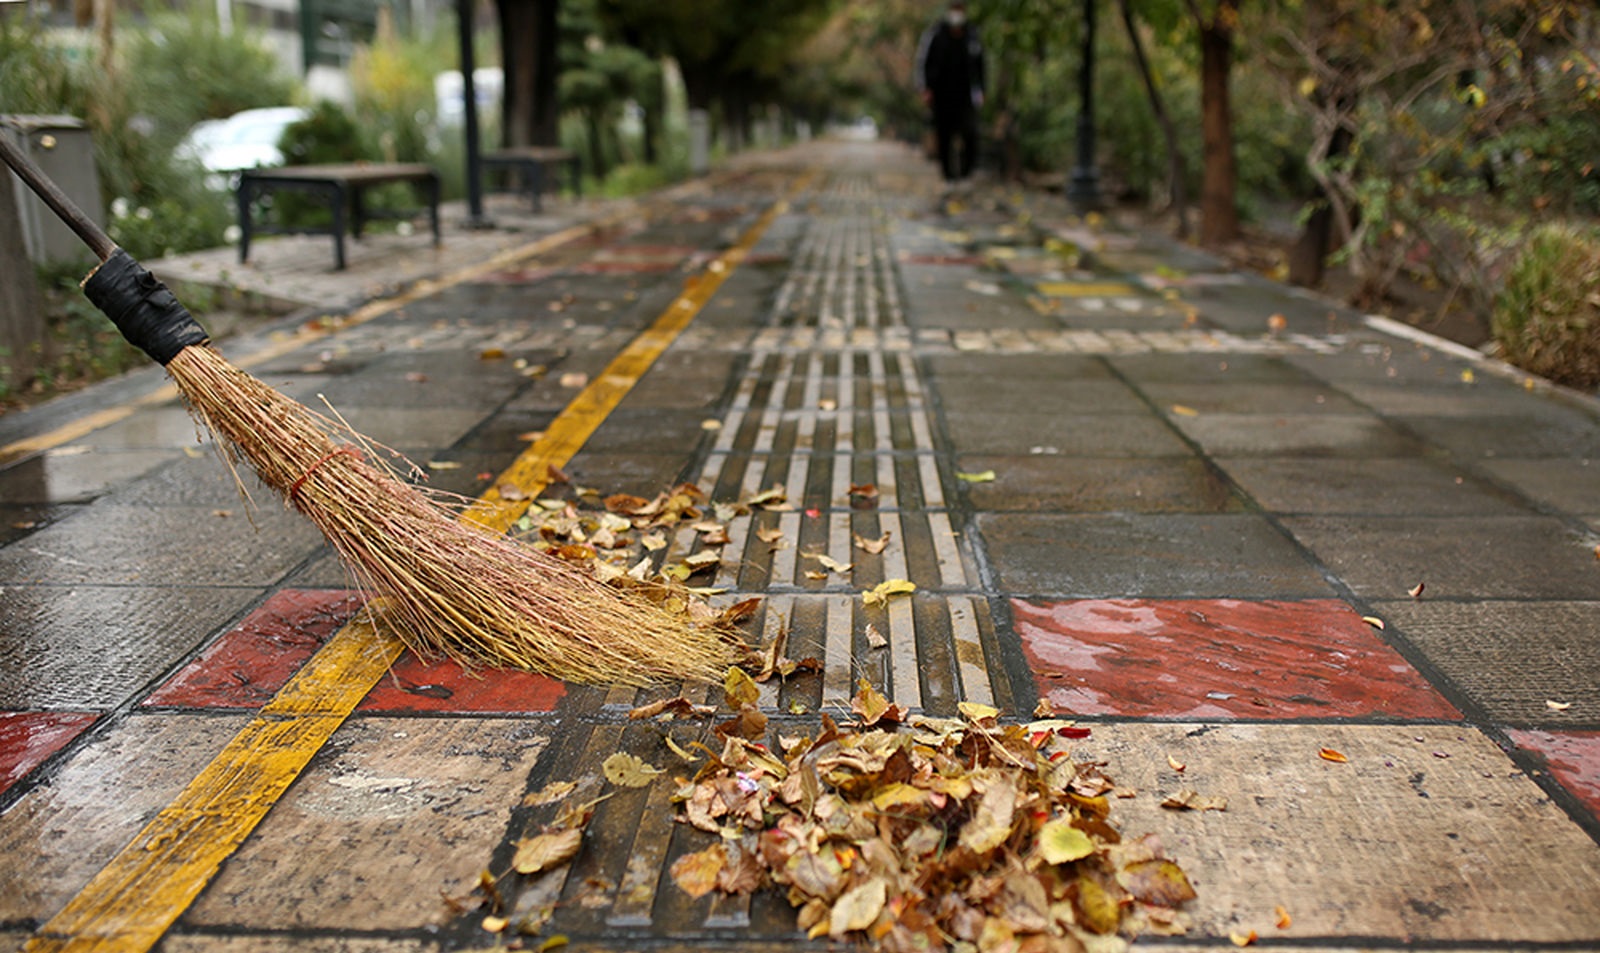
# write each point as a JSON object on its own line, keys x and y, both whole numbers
{"x": 1486, "y": 436}
{"x": 61, "y": 832}
{"x": 1148, "y": 556}
{"x": 115, "y": 544}
{"x": 1478, "y": 557}
{"x": 395, "y": 815}
{"x": 1368, "y": 486}
{"x": 1289, "y": 434}
{"x": 1512, "y": 658}
{"x": 1427, "y": 834}
{"x": 1068, "y": 434}
{"x": 1048, "y": 482}
{"x": 95, "y": 647}
{"x": 1571, "y": 485}
{"x": 76, "y": 474}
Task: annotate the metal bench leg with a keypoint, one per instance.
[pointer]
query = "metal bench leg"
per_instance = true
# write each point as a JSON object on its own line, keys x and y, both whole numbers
{"x": 339, "y": 199}
{"x": 433, "y": 208}
{"x": 242, "y": 197}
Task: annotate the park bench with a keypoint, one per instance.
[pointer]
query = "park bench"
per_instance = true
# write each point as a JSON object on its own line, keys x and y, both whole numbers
{"x": 531, "y": 162}
{"x": 342, "y": 188}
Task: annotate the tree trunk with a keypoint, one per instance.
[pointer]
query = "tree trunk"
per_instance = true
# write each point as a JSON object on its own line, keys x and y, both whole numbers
{"x": 1219, "y": 217}
{"x": 1177, "y": 175}
{"x": 1309, "y": 254}
{"x": 528, "y": 34}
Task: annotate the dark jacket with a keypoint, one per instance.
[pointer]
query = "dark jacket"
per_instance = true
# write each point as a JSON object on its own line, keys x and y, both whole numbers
{"x": 950, "y": 66}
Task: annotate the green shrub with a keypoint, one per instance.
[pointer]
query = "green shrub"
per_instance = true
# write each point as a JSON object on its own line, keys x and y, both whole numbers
{"x": 1547, "y": 318}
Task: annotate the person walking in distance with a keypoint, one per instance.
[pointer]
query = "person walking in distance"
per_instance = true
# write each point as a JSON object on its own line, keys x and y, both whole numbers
{"x": 950, "y": 76}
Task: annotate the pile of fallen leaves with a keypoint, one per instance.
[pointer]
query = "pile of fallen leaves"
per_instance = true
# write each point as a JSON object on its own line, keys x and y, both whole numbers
{"x": 920, "y": 833}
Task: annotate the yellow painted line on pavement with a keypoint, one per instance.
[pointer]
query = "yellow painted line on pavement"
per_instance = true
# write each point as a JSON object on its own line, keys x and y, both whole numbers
{"x": 306, "y": 334}
{"x": 129, "y": 905}
{"x": 530, "y": 472}
{"x": 1082, "y": 289}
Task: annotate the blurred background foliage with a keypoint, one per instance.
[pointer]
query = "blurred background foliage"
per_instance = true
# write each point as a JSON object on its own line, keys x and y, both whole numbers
{"x": 1409, "y": 146}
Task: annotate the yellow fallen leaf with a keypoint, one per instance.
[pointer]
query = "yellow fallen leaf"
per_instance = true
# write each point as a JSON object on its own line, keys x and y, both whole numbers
{"x": 1183, "y": 411}
{"x": 495, "y": 924}
{"x": 443, "y": 465}
{"x": 858, "y": 908}
{"x": 739, "y": 689}
{"x": 1416, "y": 591}
{"x": 977, "y": 711}
{"x": 830, "y": 563}
{"x": 871, "y": 546}
{"x": 629, "y": 771}
{"x": 1373, "y": 621}
{"x": 1328, "y": 754}
{"x": 1283, "y": 917}
{"x": 1243, "y": 939}
{"x": 1557, "y": 706}
{"x": 987, "y": 476}
{"x": 879, "y": 594}
{"x": 1467, "y": 376}
{"x": 1061, "y": 843}
{"x": 1175, "y": 764}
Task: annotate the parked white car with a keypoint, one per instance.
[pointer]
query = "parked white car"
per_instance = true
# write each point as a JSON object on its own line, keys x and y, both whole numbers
{"x": 245, "y": 140}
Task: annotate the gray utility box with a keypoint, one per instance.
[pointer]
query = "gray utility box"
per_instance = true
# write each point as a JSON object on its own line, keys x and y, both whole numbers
{"x": 62, "y": 147}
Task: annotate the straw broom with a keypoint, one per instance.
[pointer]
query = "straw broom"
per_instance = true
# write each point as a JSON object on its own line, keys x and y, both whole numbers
{"x": 447, "y": 587}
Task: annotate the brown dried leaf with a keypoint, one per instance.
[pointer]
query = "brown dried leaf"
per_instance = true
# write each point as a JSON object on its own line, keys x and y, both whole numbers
{"x": 990, "y": 824}
{"x": 543, "y": 851}
{"x": 875, "y": 638}
{"x": 678, "y": 707}
{"x": 696, "y": 873}
{"x": 1187, "y": 800}
{"x": 871, "y": 546}
{"x": 549, "y": 794}
{"x": 1329, "y": 754}
{"x": 872, "y": 707}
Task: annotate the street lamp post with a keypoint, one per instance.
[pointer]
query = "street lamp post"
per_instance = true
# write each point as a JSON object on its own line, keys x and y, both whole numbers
{"x": 1084, "y": 189}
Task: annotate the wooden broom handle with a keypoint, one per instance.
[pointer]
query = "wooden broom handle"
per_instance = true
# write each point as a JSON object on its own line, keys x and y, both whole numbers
{"x": 85, "y": 228}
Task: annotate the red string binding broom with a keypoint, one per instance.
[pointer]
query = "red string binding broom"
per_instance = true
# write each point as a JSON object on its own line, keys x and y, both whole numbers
{"x": 447, "y": 588}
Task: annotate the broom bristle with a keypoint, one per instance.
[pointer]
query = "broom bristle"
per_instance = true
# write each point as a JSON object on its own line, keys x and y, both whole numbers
{"x": 450, "y": 588}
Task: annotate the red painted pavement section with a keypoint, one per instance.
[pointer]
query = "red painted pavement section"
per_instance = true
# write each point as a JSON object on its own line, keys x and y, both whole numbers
{"x": 1218, "y": 659}
{"x": 27, "y": 738}
{"x": 1572, "y": 756}
{"x": 247, "y": 666}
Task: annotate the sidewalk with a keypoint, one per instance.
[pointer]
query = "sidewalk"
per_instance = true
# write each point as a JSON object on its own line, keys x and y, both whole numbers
{"x": 1264, "y": 548}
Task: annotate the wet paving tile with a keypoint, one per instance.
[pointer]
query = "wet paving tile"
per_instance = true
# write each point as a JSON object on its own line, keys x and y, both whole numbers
{"x": 250, "y": 662}
{"x": 1305, "y": 398}
{"x": 1218, "y": 659}
{"x": 391, "y": 816}
{"x": 1053, "y": 482}
{"x": 113, "y": 544}
{"x": 1366, "y": 487}
{"x": 1485, "y": 436}
{"x": 1005, "y": 396}
{"x": 61, "y": 833}
{"x": 28, "y": 738}
{"x": 1572, "y": 486}
{"x": 1303, "y": 435}
{"x": 1572, "y": 756}
{"x": 247, "y": 666}
{"x": 1208, "y": 369}
{"x": 291, "y": 942}
{"x": 93, "y": 648}
{"x": 1428, "y": 834}
{"x": 1017, "y": 433}
{"x": 75, "y": 474}
{"x": 1511, "y": 657}
{"x": 1481, "y": 557}
{"x": 1132, "y": 555}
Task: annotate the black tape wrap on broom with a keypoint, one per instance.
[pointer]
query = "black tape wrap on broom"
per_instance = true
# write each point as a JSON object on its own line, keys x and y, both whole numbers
{"x": 142, "y": 308}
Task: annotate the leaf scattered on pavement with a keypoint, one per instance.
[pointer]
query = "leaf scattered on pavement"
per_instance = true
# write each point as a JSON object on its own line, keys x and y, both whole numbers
{"x": 629, "y": 771}
{"x": 879, "y": 594}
